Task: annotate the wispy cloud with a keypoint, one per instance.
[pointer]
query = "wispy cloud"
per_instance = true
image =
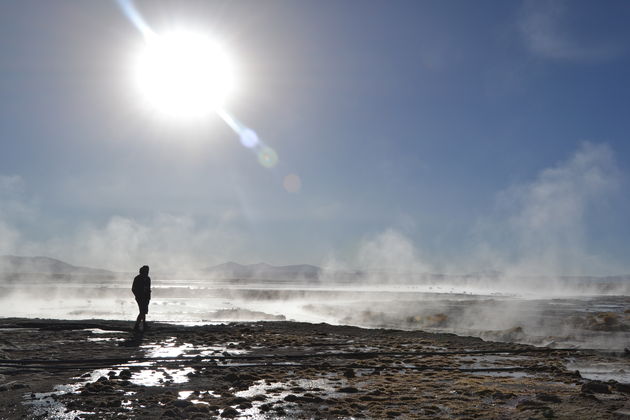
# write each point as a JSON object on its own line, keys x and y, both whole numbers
{"x": 547, "y": 32}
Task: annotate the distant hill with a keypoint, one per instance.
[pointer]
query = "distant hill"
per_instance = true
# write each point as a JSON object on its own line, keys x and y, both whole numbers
{"x": 10, "y": 264}
{"x": 264, "y": 271}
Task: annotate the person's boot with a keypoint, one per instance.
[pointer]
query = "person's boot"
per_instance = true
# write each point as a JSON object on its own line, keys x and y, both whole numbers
{"x": 136, "y": 327}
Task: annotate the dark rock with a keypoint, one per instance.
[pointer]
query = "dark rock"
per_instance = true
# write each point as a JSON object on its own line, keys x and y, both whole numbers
{"x": 310, "y": 398}
{"x": 197, "y": 408}
{"x": 171, "y": 412}
{"x": 229, "y": 412}
{"x": 340, "y": 412}
{"x": 348, "y": 390}
{"x": 349, "y": 373}
{"x": 623, "y": 388}
{"x": 231, "y": 377}
{"x": 503, "y": 395}
{"x": 595, "y": 387}
{"x": 530, "y": 405}
{"x": 265, "y": 407}
{"x": 548, "y": 413}
{"x": 548, "y": 398}
{"x": 125, "y": 374}
{"x": 181, "y": 403}
{"x": 238, "y": 400}
{"x": 291, "y": 398}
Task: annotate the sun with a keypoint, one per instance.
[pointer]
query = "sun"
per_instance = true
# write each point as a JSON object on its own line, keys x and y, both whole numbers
{"x": 183, "y": 74}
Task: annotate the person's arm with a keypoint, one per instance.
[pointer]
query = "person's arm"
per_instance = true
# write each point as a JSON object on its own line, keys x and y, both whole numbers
{"x": 148, "y": 287}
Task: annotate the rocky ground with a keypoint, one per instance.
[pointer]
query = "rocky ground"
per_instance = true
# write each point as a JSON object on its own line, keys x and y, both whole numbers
{"x": 100, "y": 369}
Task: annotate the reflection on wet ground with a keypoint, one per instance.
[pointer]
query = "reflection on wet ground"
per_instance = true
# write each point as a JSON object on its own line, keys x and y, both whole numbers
{"x": 279, "y": 370}
{"x": 142, "y": 374}
{"x": 264, "y": 394}
{"x": 171, "y": 348}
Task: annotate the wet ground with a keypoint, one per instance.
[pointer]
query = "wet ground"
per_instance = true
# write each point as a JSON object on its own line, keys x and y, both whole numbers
{"x": 259, "y": 370}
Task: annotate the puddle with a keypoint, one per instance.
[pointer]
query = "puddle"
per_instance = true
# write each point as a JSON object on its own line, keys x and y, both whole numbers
{"x": 18, "y": 329}
{"x": 142, "y": 374}
{"x": 161, "y": 376}
{"x": 185, "y": 395}
{"x": 45, "y": 405}
{"x": 170, "y": 348}
{"x": 495, "y": 362}
{"x": 103, "y": 339}
{"x": 506, "y": 374}
{"x": 262, "y": 393}
{"x": 603, "y": 371}
{"x": 100, "y": 331}
{"x": 490, "y": 361}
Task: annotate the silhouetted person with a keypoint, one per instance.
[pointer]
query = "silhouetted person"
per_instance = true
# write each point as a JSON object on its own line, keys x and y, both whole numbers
{"x": 142, "y": 291}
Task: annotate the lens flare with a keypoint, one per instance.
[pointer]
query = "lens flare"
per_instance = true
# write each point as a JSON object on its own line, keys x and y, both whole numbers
{"x": 130, "y": 10}
{"x": 267, "y": 157}
{"x": 249, "y": 138}
{"x": 292, "y": 183}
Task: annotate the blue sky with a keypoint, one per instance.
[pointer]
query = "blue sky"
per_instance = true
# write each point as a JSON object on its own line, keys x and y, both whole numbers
{"x": 469, "y": 135}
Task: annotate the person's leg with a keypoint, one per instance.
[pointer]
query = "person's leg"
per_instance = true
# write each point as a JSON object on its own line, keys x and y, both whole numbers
{"x": 144, "y": 309}
{"x": 140, "y": 317}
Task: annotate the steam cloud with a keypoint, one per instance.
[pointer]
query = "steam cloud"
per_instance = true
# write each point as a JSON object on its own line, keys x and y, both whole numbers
{"x": 173, "y": 243}
{"x": 540, "y": 227}
{"x": 535, "y": 228}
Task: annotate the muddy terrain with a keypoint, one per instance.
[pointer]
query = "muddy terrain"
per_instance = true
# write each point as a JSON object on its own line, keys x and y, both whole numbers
{"x": 100, "y": 369}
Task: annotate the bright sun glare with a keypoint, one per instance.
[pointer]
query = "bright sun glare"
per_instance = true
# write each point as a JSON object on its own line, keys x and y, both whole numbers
{"x": 184, "y": 74}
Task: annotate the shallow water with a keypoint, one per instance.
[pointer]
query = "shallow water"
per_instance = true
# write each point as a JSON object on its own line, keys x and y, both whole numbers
{"x": 278, "y": 391}
{"x": 603, "y": 370}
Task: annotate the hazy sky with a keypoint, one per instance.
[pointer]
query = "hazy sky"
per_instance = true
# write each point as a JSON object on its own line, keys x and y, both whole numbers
{"x": 457, "y": 135}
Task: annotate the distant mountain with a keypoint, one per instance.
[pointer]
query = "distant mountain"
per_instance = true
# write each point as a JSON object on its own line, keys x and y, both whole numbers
{"x": 264, "y": 271}
{"x": 10, "y": 264}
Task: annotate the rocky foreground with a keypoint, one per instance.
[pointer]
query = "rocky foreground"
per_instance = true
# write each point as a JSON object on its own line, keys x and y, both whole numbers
{"x": 100, "y": 369}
